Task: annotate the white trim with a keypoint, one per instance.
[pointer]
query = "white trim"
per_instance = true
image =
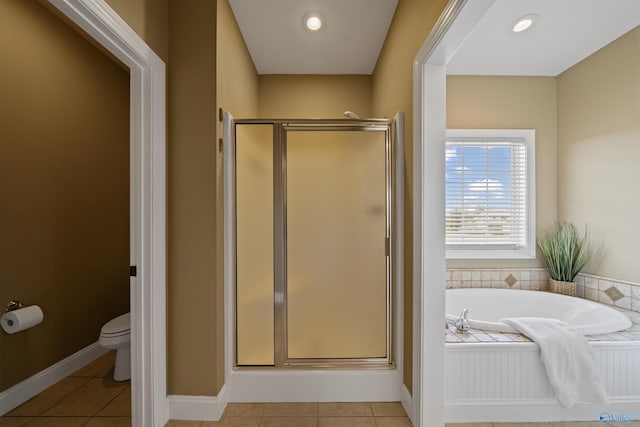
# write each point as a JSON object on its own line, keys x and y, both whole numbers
{"x": 273, "y": 385}
{"x": 429, "y": 102}
{"x": 229, "y": 252}
{"x": 544, "y": 410}
{"x": 197, "y": 408}
{"x": 399, "y": 242}
{"x": 147, "y": 201}
{"x": 407, "y": 403}
{"x": 25, "y": 390}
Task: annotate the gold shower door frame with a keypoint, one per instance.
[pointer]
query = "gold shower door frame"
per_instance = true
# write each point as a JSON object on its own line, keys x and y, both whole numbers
{"x": 281, "y": 129}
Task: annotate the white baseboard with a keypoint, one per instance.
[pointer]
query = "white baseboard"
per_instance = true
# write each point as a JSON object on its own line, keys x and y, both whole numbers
{"x": 407, "y": 403}
{"x": 198, "y": 408}
{"x": 25, "y": 390}
{"x": 543, "y": 410}
{"x": 315, "y": 386}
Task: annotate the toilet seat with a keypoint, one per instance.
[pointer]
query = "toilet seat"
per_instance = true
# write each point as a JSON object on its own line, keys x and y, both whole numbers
{"x": 119, "y": 326}
{"x": 116, "y": 332}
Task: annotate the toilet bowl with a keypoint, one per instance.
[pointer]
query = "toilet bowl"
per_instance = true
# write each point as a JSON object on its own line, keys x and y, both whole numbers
{"x": 116, "y": 335}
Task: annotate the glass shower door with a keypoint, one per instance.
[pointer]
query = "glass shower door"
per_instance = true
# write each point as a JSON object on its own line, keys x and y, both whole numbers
{"x": 337, "y": 229}
{"x": 312, "y": 229}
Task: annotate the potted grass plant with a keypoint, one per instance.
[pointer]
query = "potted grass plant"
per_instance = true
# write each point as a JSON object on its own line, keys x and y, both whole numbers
{"x": 565, "y": 252}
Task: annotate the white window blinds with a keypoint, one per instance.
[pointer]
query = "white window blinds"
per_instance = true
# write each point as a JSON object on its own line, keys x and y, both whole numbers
{"x": 488, "y": 198}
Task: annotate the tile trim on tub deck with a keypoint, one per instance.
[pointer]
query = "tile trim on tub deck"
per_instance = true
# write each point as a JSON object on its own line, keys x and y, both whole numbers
{"x": 617, "y": 293}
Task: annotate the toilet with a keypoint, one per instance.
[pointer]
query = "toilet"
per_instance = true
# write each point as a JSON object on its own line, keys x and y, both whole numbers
{"x": 116, "y": 335}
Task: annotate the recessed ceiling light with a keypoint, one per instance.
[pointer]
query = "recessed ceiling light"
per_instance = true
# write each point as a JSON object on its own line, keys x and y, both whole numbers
{"x": 524, "y": 23}
{"x": 313, "y": 22}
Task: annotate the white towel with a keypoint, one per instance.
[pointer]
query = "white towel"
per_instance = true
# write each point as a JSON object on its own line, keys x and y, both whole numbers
{"x": 567, "y": 357}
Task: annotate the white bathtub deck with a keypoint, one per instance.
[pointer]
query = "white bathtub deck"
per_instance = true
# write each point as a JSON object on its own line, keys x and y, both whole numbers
{"x": 499, "y": 377}
{"x": 478, "y": 336}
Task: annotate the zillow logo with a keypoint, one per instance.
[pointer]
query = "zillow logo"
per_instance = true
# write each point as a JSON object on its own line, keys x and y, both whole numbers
{"x": 606, "y": 417}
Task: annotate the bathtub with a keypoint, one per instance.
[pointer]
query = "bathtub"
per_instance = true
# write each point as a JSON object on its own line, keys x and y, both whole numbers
{"x": 506, "y": 381}
{"x": 488, "y": 306}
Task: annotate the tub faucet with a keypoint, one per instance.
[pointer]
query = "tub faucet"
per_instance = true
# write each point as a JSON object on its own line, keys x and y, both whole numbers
{"x": 462, "y": 324}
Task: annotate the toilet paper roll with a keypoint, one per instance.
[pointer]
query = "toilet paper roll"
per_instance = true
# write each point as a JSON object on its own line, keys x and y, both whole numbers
{"x": 21, "y": 319}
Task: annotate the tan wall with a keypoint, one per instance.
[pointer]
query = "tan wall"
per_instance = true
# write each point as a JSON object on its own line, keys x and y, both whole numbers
{"x": 149, "y": 19}
{"x": 314, "y": 96}
{"x": 481, "y": 102}
{"x": 64, "y": 169}
{"x": 194, "y": 335}
{"x": 392, "y": 91}
{"x": 599, "y": 148}
{"x": 237, "y": 92}
{"x": 237, "y": 78}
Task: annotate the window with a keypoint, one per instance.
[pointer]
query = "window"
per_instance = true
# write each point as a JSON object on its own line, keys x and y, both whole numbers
{"x": 490, "y": 193}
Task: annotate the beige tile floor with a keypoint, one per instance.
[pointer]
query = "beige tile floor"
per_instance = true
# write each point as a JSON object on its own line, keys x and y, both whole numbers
{"x": 89, "y": 397}
{"x": 377, "y": 414}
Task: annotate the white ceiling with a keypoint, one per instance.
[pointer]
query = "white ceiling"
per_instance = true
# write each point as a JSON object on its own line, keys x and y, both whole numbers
{"x": 566, "y": 32}
{"x": 349, "y": 43}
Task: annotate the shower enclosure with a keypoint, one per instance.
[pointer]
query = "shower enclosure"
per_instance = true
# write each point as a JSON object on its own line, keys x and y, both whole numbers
{"x": 313, "y": 234}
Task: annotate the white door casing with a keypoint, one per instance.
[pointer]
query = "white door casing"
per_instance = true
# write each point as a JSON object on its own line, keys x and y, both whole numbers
{"x": 147, "y": 201}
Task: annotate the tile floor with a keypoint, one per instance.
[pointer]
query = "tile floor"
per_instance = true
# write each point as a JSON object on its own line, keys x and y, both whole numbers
{"x": 89, "y": 397}
{"x": 377, "y": 414}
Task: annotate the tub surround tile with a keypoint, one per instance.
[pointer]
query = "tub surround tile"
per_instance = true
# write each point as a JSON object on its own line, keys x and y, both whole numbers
{"x": 510, "y": 280}
{"x": 604, "y": 298}
{"x": 591, "y": 294}
{"x": 604, "y": 284}
{"x": 477, "y": 335}
{"x": 624, "y": 302}
{"x": 614, "y": 293}
{"x": 450, "y": 337}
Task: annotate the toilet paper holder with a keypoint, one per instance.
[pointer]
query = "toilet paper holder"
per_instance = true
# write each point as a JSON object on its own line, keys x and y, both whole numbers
{"x": 13, "y": 305}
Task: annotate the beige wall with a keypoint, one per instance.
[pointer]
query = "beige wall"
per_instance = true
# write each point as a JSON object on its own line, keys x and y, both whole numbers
{"x": 237, "y": 78}
{"x": 64, "y": 169}
{"x": 194, "y": 334}
{"x": 484, "y": 102}
{"x": 392, "y": 91}
{"x": 314, "y": 96}
{"x": 184, "y": 34}
{"x": 599, "y": 148}
{"x": 149, "y": 19}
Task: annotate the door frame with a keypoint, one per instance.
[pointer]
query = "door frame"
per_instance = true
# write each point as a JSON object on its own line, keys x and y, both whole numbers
{"x": 147, "y": 201}
{"x": 457, "y": 20}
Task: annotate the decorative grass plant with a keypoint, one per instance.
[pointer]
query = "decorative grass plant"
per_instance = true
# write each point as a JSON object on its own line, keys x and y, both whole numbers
{"x": 565, "y": 251}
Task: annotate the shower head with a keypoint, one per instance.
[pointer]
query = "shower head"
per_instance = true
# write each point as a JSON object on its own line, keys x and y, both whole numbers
{"x": 351, "y": 115}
